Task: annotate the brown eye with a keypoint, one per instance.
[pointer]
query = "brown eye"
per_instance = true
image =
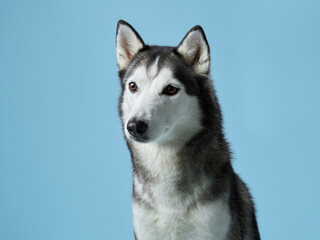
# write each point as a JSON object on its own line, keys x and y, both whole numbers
{"x": 133, "y": 86}
{"x": 170, "y": 90}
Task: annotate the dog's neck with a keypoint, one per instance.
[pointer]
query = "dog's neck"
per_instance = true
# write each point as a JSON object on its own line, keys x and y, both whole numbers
{"x": 159, "y": 159}
{"x": 197, "y": 170}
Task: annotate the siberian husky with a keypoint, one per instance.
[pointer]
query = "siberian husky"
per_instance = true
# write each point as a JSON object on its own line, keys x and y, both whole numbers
{"x": 184, "y": 186}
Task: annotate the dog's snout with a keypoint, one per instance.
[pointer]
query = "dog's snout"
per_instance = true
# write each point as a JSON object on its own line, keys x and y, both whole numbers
{"x": 137, "y": 128}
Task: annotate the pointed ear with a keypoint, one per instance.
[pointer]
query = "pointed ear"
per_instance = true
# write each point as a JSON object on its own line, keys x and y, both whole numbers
{"x": 128, "y": 43}
{"x": 195, "y": 50}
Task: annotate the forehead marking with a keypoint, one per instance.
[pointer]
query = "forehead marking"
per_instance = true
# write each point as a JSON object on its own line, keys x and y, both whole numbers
{"x": 153, "y": 70}
{"x": 154, "y": 73}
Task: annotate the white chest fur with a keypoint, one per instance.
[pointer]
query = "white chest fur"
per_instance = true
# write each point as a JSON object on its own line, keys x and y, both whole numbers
{"x": 175, "y": 216}
{"x": 203, "y": 222}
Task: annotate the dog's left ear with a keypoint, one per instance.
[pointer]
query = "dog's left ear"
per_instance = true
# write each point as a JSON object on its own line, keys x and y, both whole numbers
{"x": 195, "y": 50}
{"x": 128, "y": 43}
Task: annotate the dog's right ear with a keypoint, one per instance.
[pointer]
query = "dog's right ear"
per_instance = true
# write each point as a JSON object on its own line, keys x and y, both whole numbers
{"x": 128, "y": 43}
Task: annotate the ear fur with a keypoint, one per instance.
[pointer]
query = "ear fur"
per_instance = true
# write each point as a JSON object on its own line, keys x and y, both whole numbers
{"x": 195, "y": 50}
{"x": 128, "y": 43}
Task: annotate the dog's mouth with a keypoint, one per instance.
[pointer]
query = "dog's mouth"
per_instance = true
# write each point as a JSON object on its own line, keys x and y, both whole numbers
{"x": 137, "y": 138}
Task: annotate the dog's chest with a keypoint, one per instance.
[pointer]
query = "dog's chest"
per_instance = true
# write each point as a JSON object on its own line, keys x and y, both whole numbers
{"x": 208, "y": 221}
{"x": 166, "y": 212}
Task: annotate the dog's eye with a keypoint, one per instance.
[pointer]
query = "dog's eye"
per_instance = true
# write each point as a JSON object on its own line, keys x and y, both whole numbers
{"x": 133, "y": 86}
{"x": 170, "y": 90}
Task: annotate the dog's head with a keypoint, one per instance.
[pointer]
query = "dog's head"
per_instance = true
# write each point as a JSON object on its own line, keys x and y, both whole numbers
{"x": 161, "y": 86}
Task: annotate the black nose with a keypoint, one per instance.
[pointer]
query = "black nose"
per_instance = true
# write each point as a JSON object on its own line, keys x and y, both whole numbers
{"x": 137, "y": 127}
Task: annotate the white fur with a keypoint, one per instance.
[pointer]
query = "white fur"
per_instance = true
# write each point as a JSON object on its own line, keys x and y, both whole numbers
{"x": 194, "y": 44}
{"x": 209, "y": 221}
{"x": 161, "y": 161}
{"x": 176, "y": 217}
{"x": 163, "y": 113}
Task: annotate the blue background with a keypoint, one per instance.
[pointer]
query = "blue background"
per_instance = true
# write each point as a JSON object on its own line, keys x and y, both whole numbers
{"x": 65, "y": 172}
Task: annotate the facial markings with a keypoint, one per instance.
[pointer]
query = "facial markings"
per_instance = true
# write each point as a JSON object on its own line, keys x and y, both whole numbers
{"x": 166, "y": 84}
{"x": 162, "y": 113}
{"x": 161, "y": 80}
{"x": 138, "y": 78}
{"x": 170, "y": 90}
{"x": 159, "y": 99}
{"x": 153, "y": 70}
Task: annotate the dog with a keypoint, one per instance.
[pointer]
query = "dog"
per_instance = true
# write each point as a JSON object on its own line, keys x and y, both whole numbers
{"x": 184, "y": 186}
